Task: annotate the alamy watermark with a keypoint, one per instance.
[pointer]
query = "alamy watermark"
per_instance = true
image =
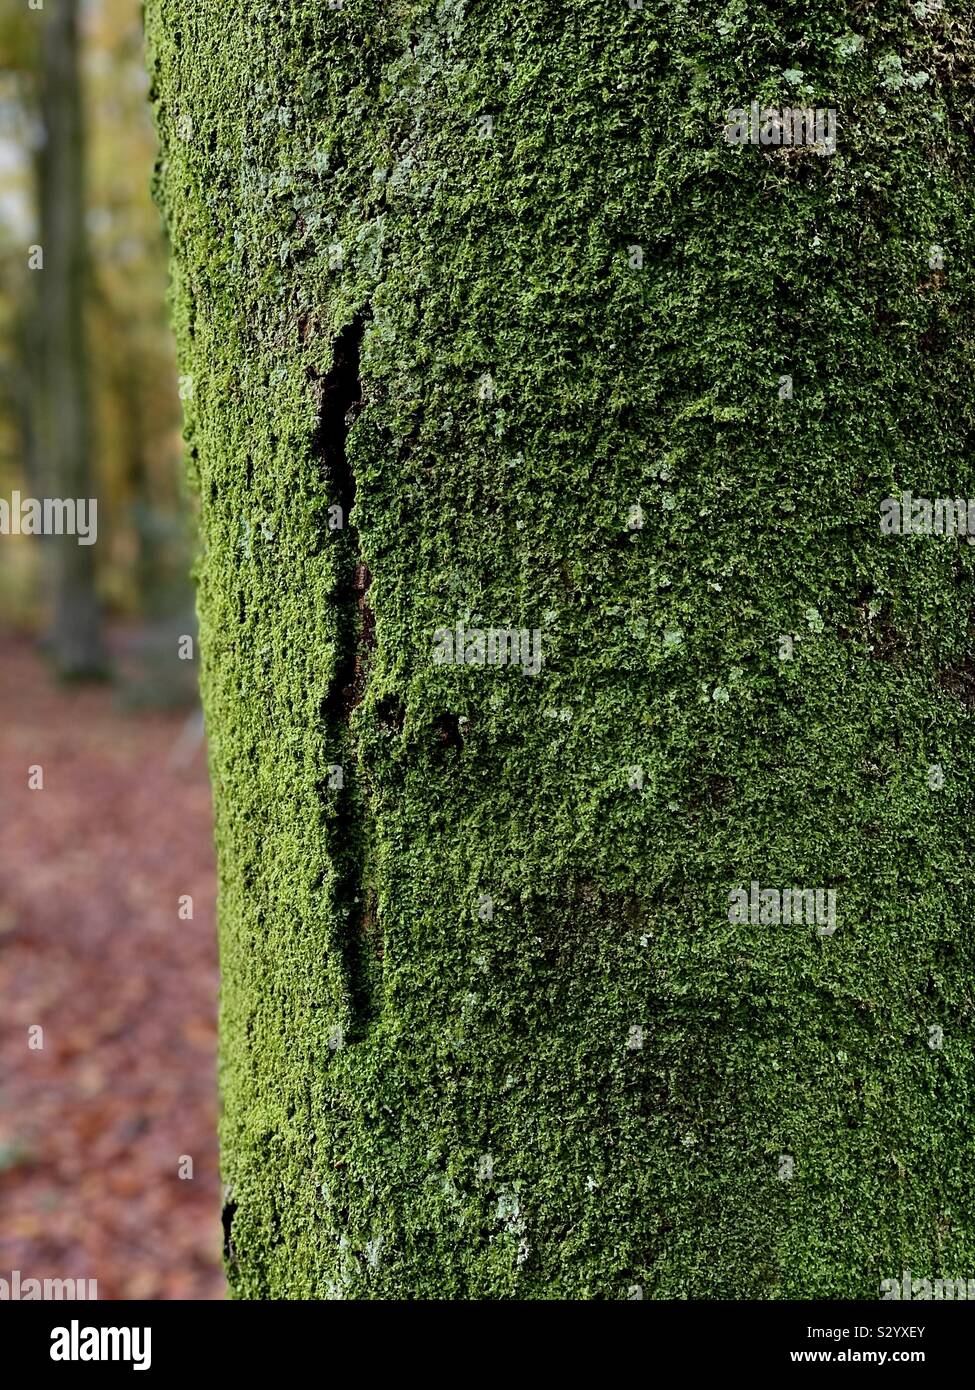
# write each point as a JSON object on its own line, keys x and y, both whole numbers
{"x": 795, "y": 126}
{"x": 922, "y": 1290}
{"x": 20, "y": 1289}
{"x": 908, "y": 515}
{"x": 492, "y": 646}
{"x": 77, "y": 1343}
{"x": 784, "y": 907}
{"x": 50, "y": 516}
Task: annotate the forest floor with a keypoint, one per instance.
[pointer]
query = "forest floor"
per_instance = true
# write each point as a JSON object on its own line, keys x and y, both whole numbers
{"x": 97, "y": 1124}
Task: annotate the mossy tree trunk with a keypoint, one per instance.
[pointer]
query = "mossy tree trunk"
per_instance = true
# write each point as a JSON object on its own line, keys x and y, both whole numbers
{"x": 487, "y": 285}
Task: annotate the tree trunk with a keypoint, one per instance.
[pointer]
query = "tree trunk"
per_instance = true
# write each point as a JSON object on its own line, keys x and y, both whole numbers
{"x": 62, "y": 398}
{"x": 492, "y": 286}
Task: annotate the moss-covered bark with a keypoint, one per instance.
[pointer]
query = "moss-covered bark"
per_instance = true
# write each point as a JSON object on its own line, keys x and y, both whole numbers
{"x": 488, "y": 1031}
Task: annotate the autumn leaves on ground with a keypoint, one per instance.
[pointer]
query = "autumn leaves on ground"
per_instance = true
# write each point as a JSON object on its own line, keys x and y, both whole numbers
{"x": 97, "y": 1123}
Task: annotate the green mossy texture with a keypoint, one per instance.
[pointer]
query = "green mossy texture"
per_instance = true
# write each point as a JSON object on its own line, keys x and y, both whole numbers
{"x": 485, "y": 1130}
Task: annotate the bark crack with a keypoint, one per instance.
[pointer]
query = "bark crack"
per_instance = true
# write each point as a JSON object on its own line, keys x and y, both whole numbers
{"x": 348, "y": 825}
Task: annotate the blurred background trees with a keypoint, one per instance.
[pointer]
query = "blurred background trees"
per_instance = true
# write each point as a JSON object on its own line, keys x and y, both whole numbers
{"x": 96, "y": 1129}
{"x": 88, "y": 392}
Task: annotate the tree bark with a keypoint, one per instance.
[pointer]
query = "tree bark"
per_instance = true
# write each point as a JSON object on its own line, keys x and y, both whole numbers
{"x": 488, "y": 284}
{"x": 62, "y": 399}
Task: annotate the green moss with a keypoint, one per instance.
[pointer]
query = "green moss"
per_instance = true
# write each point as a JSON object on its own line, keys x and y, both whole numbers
{"x": 485, "y": 1130}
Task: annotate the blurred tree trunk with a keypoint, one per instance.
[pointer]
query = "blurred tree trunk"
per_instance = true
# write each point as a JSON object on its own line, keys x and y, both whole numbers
{"x": 148, "y": 576}
{"x": 62, "y": 407}
{"x": 24, "y": 393}
{"x": 489, "y": 325}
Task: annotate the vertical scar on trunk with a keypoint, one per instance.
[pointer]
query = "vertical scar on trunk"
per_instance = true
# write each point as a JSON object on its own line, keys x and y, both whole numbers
{"x": 340, "y": 400}
{"x": 348, "y": 823}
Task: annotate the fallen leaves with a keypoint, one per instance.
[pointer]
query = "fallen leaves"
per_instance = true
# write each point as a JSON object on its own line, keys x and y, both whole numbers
{"x": 95, "y": 1126}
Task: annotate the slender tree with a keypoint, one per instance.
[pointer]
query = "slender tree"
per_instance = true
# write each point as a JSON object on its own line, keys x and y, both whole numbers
{"x": 61, "y": 378}
{"x": 592, "y": 771}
